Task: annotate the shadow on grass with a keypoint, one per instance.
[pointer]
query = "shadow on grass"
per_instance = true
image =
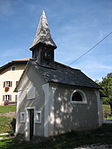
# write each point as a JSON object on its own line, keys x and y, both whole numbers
{"x": 102, "y": 135}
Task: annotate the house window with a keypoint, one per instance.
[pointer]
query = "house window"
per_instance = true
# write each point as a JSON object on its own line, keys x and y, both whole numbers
{"x": 17, "y": 83}
{"x": 22, "y": 117}
{"x": 78, "y": 96}
{"x": 7, "y": 97}
{"x": 13, "y": 68}
{"x": 38, "y": 116}
{"x": 16, "y": 97}
{"x": 7, "y": 84}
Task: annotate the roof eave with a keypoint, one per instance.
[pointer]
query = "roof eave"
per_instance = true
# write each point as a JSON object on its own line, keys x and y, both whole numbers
{"x": 74, "y": 85}
{"x": 43, "y": 44}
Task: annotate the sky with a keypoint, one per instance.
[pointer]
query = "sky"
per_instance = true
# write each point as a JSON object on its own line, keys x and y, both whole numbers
{"x": 75, "y": 25}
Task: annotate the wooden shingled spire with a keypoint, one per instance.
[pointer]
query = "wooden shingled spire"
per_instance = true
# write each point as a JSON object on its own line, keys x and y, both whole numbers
{"x": 43, "y": 35}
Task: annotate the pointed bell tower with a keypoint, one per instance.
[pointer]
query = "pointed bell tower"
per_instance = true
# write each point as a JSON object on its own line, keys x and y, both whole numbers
{"x": 43, "y": 45}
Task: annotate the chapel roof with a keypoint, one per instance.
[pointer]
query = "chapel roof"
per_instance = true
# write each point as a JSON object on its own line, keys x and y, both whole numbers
{"x": 59, "y": 73}
{"x": 43, "y": 35}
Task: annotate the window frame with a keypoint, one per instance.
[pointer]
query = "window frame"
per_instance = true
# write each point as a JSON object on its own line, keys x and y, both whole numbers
{"x": 5, "y": 97}
{"x": 84, "y": 98}
{"x": 22, "y": 121}
{"x": 38, "y": 121}
{"x": 7, "y": 82}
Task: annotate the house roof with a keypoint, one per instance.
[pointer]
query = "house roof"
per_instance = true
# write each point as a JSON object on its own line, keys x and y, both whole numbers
{"x": 59, "y": 73}
{"x": 18, "y": 61}
{"x": 25, "y": 59}
{"x": 43, "y": 35}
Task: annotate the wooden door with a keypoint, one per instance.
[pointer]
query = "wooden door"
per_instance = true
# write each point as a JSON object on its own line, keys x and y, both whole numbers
{"x": 31, "y": 122}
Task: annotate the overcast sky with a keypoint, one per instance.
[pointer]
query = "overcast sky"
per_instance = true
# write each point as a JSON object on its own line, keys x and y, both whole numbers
{"x": 76, "y": 25}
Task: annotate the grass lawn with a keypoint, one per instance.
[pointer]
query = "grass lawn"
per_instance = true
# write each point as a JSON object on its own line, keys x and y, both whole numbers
{"x": 8, "y": 108}
{"x": 102, "y": 135}
{"x": 106, "y": 112}
{"x": 5, "y": 124}
{"x": 5, "y": 121}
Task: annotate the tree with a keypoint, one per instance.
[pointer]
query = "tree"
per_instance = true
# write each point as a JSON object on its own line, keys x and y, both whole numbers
{"x": 106, "y": 89}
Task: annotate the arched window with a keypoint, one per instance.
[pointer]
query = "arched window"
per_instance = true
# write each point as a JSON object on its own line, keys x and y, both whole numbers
{"x": 78, "y": 96}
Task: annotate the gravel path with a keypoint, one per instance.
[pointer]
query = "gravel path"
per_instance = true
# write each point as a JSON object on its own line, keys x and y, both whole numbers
{"x": 3, "y": 138}
{"x": 95, "y": 146}
{"x": 9, "y": 114}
